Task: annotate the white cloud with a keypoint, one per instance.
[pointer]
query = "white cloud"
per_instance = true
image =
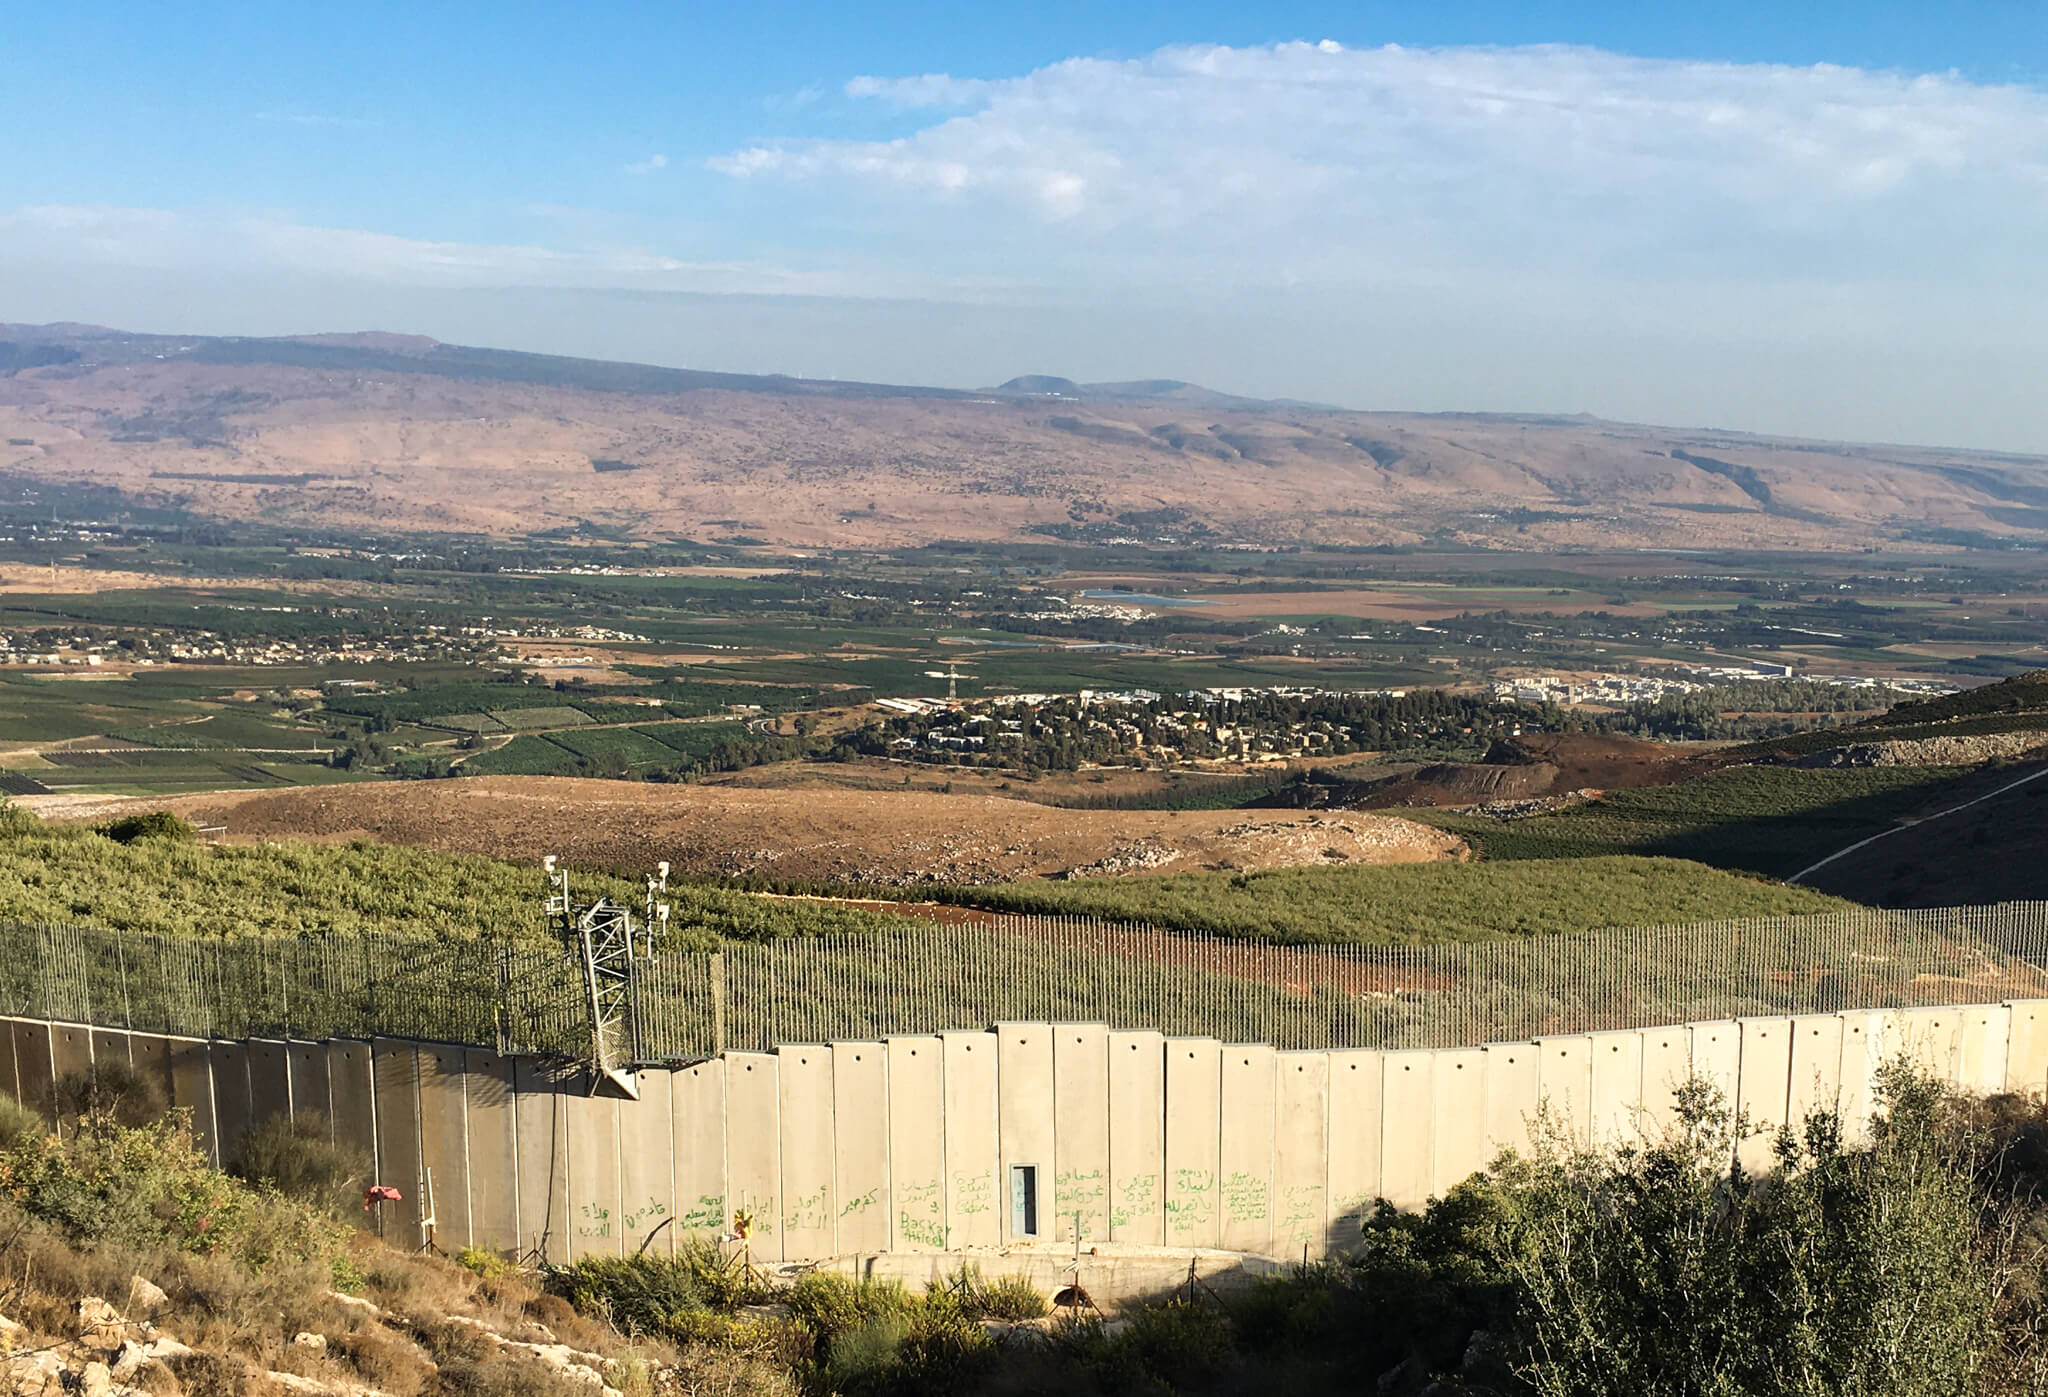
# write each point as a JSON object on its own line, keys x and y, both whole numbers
{"x": 196, "y": 242}
{"x": 1310, "y": 163}
{"x": 648, "y": 166}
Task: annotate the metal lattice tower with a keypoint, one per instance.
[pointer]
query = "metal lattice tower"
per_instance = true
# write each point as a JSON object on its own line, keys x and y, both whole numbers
{"x": 600, "y": 935}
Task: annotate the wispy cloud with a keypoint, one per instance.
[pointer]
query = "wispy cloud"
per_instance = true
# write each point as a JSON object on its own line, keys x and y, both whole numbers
{"x": 175, "y": 241}
{"x": 1307, "y": 163}
{"x": 648, "y": 166}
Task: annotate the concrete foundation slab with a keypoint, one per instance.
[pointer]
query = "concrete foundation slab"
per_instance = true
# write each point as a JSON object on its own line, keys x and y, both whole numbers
{"x": 1716, "y": 1050}
{"x": 1667, "y": 1066}
{"x": 191, "y": 1068}
{"x": 1986, "y": 1037}
{"x": 1509, "y": 1097}
{"x": 352, "y": 1100}
{"x": 111, "y": 1045}
{"x": 1355, "y": 1127}
{"x": 35, "y": 1068}
{"x": 540, "y": 1112}
{"x": 308, "y": 1073}
{"x": 270, "y": 1080}
{"x": 1564, "y": 1080}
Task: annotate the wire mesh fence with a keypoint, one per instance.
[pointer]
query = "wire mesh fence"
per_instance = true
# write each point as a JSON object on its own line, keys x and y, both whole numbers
{"x": 528, "y": 998}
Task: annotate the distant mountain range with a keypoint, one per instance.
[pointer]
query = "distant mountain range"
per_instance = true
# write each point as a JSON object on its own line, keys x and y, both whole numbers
{"x": 400, "y": 432}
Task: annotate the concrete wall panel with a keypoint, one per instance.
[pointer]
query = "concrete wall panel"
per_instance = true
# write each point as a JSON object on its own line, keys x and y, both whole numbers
{"x": 1815, "y": 1083}
{"x": 1194, "y": 1084}
{"x": 1564, "y": 1080}
{"x": 70, "y": 1049}
{"x": 1080, "y": 1098}
{"x": 111, "y": 1045}
{"x": 191, "y": 1069}
{"x": 1407, "y": 1127}
{"x": 1932, "y": 1039}
{"x": 270, "y": 1080}
{"x": 1301, "y": 1155}
{"x": 1245, "y": 1160}
{"x": 148, "y": 1053}
{"x": 697, "y": 1112}
{"x": 488, "y": 1122}
{"x": 2026, "y": 1058}
{"x": 1986, "y": 1037}
{"x": 1716, "y": 1051}
{"x": 591, "y": 1128}
{"x": 917, "y": 1144}
{"x": 1617, "y": 1089}
{"x": 1509, "y": 1096}
{"x": 1026, "y": 1131}
{"x": 1863, "y": 1036}
{"x": 753, "y": 1149}
{"x": 1137, "y": 1137}
{"x": 1761, "y": 1089}
{"x": 974, "y": 1195}
{"x": 307, "y": 1064}
{"x": 396, "y": 1070}
{"x": 9, "y": 1082}
{"x": 860, "y": 1123}
{"x": 809, "y": 1207}
{"x": 352, "y": 1099}
{"x": 647, "y": 1186}
{"x": 1458, "y": 1126}
{"x": 1667, "y": 1065}
{"x": 35, "y": 1068}
{"x": 1355, "y": 1129}
{"x": 540, "y": 1114}
{"x": 233, "y": 1111}
{"x": 444, "y": 1144}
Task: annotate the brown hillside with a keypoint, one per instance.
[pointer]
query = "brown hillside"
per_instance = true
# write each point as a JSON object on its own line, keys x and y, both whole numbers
{"x": 370, "y": 431}
{"x": 816, "y": 834}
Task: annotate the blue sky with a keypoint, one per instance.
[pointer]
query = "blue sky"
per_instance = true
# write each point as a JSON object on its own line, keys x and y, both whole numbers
{"x": 1820, "y": 218}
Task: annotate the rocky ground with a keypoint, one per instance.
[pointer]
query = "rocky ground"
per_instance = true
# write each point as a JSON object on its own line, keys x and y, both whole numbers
{"x": 812, "y": 835}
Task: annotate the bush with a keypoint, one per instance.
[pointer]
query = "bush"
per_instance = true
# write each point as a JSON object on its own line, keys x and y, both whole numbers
{"x": 487, "y": 1265}
{"x": 110, "y": 1091}
{"x": 156, "y": 824}
{"x": 19, "y": 1125}
{"x": 296, "y": 1156}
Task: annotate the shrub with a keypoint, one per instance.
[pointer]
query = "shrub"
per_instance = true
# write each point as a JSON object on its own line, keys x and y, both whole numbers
{"x": 487, "y": 1265}
{"x": 110, "y": 1091}
{"x": 296, "y": 1156}
{"x": 19, "y": 1125}
{"x": 155, "y": 824}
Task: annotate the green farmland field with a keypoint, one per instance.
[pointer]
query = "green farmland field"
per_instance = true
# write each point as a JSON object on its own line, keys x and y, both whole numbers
{"x": 1412, "y": 903}
{"x": 526, "y": 755}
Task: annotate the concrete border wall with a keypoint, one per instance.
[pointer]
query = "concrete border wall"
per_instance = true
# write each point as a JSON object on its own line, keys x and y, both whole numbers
{"x": 868, "y": 1153}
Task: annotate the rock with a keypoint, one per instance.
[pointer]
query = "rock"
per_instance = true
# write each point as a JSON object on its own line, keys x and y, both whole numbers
{"x": 306, "y": 1339}
{"x": 33, "y": 1374}
{"x": 163, "y": 1348}
{"x": 356, "y": 1303}
{"x": 12, "y": 1335}
{"x": 129, "y": 1361}
{"x": 145, "y": 1296}
{"x": 95, "y": 1380}
{"x": 100, "y": 1326}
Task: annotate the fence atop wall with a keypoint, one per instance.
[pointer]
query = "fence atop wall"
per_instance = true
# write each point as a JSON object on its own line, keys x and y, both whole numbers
{"x": 527, "y": 998}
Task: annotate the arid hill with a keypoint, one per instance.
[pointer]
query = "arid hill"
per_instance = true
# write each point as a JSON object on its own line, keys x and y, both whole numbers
{"x": 812, "y": 835}
{"x": 393, "y": 432}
